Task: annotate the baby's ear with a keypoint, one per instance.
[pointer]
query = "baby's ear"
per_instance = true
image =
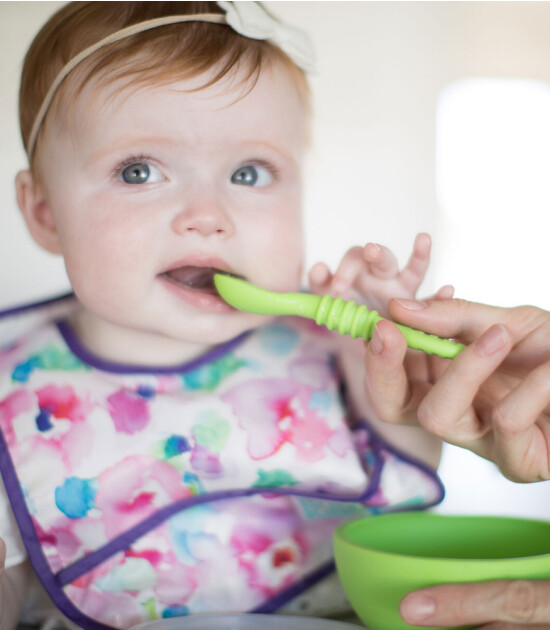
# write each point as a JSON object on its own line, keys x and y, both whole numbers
{"x": 37, "y": 212}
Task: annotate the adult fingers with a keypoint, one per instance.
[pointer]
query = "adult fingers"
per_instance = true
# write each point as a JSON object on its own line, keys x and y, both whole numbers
{"x": 521, "y": 602}
{"x": 503, "y": 625}
{"x": 446, "y": 411}
{"x": 389, "y": 391}
{"x": 521, "y": 428}
{"x": 465, "y": 320}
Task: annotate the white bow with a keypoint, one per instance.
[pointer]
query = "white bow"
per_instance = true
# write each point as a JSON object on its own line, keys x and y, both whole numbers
{"x": 252, "y": 20}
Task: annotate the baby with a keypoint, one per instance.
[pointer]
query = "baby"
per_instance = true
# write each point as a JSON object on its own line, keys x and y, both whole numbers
{"x": 164, "y": 454}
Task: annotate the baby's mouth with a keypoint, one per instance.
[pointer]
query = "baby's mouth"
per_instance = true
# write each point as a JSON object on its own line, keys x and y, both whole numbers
{"x": 200, "y": 279}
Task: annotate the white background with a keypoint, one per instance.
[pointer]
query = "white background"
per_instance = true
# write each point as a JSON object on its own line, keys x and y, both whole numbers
{"x": 404, "y": 141}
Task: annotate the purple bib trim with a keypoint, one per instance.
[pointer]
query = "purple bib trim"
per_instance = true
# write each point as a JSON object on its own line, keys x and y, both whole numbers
{"x": 94, "y": 361}
{"x": 23, "y": 308}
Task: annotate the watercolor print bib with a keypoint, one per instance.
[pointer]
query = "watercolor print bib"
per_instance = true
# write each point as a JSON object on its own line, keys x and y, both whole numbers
{"x": 211, "y": 486}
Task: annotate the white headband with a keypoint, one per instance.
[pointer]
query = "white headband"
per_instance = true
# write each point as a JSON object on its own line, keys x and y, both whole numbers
{"x": 250, "y": 19}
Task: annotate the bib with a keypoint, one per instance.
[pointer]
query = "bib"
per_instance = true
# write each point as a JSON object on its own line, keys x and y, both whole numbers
{"x": 207, "y": 487}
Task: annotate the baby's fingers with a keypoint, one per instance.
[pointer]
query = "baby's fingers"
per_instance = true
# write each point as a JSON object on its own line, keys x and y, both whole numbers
{"x": 382, "y": 263}
{"x": 446, "y": 292}
{"x": 350, "y": 267}
{"x": 320, "y": 278}
{"x": 414, "y": 271}
{"x": 374, "y": 260}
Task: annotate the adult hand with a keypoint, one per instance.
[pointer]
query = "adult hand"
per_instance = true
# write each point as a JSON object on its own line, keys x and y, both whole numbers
{"x": 500, "y": 605}
{"x": 493, "y": 399}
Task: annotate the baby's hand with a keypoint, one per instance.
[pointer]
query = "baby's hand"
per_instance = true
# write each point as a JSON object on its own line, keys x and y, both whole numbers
{"x": 14, "y": 584}
{"x": 2, "y": 556}
{"x": 370, "y": 275}
{"x": 2, "y": 582}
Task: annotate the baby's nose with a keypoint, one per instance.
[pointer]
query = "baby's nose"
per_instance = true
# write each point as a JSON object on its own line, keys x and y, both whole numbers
{"x": 206, "y": 218}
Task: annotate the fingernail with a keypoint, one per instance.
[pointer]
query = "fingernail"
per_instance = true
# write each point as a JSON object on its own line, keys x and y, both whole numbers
{"x": 491, "y": 341}
{"x": 376, "y": 342}
{"x": 413, "y": 305}
{"x": 417, "y": 608}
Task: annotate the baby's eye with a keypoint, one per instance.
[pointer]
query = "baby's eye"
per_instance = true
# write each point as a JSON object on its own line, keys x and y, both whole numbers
{"x": 141, "y": 173}
{"x": 251, "y": 175}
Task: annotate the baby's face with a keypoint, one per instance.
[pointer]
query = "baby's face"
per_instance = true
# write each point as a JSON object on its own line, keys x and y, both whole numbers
{"x": 154, "y": 188}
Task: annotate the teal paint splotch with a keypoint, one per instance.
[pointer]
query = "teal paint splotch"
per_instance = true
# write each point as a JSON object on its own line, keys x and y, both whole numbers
{"x": 50, "y": 358}
{"x": 274, "y": 479}
{"x": 208, "y": 377}
{"x": 278, "y": 339}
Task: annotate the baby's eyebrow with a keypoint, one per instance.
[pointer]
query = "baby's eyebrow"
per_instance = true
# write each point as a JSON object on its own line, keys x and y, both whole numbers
{"x": 122, "y": 145}
{"x": 272, "y": 148}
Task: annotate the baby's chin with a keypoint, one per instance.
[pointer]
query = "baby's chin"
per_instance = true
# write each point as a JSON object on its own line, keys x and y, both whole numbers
{"x": 227, "y": 328}
{"x": 154, "y": 341}
{"x": 206, "y": 330}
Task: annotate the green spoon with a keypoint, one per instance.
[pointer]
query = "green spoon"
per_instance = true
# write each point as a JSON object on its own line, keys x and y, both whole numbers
{"x": 348, "y": 318}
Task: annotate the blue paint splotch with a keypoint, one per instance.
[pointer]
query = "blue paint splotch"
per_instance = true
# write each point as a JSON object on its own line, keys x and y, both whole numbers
{"x": 175, "y": 445}
{"x": 175, "y": 611}
{"x": 43, "y": 421}
{"x": 76, "y": 497}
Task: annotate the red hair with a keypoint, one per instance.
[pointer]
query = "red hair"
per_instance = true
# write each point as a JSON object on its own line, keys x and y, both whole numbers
{"x": 156, "y": 56}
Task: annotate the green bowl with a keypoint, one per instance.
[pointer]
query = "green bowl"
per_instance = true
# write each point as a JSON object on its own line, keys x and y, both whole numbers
{"x": 382, "y": 558}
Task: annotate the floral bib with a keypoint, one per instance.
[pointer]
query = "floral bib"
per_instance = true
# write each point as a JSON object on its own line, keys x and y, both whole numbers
{"x": 212, "y": 486}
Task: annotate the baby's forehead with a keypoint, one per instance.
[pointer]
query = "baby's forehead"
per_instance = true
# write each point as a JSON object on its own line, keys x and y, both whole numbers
{"x": 104, "y": 96}
{"x": 201, "y": 87}
{"x": 215, "y": 87}
{"x": 189, "y": 110}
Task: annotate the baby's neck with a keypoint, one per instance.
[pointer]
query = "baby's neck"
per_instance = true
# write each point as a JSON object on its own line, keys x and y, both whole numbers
{"x": 118, "y": 344}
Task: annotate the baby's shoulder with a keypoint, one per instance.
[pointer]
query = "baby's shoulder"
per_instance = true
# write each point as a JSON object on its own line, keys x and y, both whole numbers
{"x": 26, "y": 329}
{"x": 17, "y": 321}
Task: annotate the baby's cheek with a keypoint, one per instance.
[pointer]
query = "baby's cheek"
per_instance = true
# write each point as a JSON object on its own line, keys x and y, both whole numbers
{"x": 103, "y": 276}
{"x": 280, "y": 260}
{"x": 291, "y": 254}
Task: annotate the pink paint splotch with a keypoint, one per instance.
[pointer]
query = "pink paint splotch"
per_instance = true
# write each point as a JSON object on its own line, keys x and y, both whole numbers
{"x": 275, "y": 412}
{"x": 129, "y": 411}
